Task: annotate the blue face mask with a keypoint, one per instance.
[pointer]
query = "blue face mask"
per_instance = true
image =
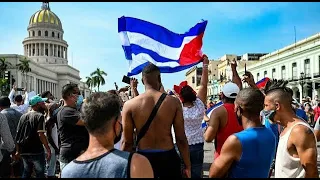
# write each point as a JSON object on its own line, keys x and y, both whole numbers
{"x": 79, "y": 101}
{"x": 269, "y": 114}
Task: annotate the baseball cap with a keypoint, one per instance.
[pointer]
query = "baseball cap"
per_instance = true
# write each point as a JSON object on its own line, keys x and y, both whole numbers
{"x": 4, "y": 101}
{"x": 36, "y": 99}
{"x": 230, "y": 90}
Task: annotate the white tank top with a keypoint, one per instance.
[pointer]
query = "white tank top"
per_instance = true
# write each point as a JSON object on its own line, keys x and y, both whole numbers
{"x": 287, "y": 166}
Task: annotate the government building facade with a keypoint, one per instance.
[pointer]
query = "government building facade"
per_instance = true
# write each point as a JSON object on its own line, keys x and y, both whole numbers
{"x": 48, "y": 54}
{"x": 299, "y": 63}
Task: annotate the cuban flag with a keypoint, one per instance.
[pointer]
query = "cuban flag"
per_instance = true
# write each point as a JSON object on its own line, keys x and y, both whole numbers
{"x": 260, "y": 84}
{"x": 144, "y": 42}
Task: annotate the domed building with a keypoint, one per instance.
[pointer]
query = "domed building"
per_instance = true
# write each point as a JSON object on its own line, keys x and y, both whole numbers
{"x": 48, "y": 54}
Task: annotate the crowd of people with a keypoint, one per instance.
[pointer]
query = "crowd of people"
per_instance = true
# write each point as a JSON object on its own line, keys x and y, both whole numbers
{"x": 158, "y": 133}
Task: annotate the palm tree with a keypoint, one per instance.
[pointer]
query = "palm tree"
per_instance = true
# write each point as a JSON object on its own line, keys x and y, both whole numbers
{"x": 4, "y": 65}
{"x": 24, "y": 67}
{"x": 97, "y": 77}
{"x": 90, "y": 83}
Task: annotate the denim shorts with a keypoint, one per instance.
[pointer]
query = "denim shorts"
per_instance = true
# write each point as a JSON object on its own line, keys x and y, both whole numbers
{"x": 196, "y": 158}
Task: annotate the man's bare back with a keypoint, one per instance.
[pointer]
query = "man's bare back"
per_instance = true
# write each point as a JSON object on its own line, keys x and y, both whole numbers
{"x": 137, "y": 111}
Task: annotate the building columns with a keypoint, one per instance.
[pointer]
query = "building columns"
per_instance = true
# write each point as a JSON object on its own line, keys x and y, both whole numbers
{"x": 49, "y": 50}
{"x": 37, "y": 49}
{"x": 314, "y": 91}
{"x": 66, "y": 54}
{"x": 56, "y": 50}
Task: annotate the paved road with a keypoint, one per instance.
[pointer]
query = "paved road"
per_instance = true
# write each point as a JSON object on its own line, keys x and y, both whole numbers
{"x": 208, "y": 158}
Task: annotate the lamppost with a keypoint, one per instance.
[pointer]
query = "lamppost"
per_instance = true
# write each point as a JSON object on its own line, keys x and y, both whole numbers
{"x": 302, "y": 81}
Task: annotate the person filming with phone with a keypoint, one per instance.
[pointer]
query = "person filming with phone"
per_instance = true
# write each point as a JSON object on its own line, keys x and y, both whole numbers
{"x": 17, "y": 102}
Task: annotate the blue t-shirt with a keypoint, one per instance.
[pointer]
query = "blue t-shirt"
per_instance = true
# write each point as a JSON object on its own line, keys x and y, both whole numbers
{"x": 302, "y": 114}
{"x": 258, "y": 151}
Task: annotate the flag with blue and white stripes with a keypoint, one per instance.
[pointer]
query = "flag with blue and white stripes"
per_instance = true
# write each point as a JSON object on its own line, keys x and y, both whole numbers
{"x": 144, "y": 42}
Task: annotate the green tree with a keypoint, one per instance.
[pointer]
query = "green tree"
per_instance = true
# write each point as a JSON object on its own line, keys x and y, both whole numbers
{"x": 24, "y": 67}
{"x": 4, "y": 65}
{"x": 4, "y": 84}
{"x": 97, "y": 78}
{"x": 90, "y": 83}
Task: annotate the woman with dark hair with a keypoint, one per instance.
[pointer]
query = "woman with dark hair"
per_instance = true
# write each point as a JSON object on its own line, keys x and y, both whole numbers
{"x": 309, "y": 111}
{"x": 194, "y": 106}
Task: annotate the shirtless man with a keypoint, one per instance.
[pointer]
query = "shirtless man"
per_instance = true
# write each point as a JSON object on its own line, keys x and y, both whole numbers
{"x": 297, "y": 149}
{"x": 157, "y": 144}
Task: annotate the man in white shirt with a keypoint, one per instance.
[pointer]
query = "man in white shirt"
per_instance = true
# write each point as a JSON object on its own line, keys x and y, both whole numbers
{"x": 17, "y": 103}
{"x": 297, "y": 150}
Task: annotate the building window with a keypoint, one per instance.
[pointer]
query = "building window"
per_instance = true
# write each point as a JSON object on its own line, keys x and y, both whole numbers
{"x": 52, "y": 34}
{"x": 307, "y": 67}
{"x": 58, "y": 35}
{"x": 294, "y": 71}
{"x": 283, "y": 72}
{"x": 273, "y": 73}
{"x": 258, "y": 76}
{"x": 193, "y": 80}
{"x": 46, "y": 33}
{"x": 33, "y": 33}
{"x": 265, "y": 73}
{"x": 39, "y": 33}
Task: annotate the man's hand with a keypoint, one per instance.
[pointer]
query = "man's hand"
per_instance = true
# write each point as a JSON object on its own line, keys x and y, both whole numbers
{"x": 187, "y": 172}
{"x": 248, "y": 78}
{"x": 233, "y": 64}
{"x": 134, "y": 83}
{"x": 205, "y": 59}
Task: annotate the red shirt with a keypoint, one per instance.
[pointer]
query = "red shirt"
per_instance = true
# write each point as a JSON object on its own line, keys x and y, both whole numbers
{"x": 231, "y": 127}
{"x": 316, "y": 113}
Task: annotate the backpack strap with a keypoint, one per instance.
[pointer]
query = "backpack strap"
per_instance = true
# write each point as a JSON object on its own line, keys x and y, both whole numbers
{"x": 146, "y": 126}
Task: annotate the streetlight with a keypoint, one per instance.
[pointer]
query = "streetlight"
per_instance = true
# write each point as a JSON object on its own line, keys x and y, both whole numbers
{"x": 302, "y": 81}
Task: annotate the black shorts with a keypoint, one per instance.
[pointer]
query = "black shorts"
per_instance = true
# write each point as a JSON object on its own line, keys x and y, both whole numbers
{"x": 164, "y": 164}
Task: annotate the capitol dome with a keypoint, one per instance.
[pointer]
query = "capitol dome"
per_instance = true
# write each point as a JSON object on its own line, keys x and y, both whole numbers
{"x": 44, "y": 43}
{"x": 45, "y": 16}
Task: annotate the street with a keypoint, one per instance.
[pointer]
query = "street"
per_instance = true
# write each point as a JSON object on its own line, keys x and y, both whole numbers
{"x": 208, "y": 158}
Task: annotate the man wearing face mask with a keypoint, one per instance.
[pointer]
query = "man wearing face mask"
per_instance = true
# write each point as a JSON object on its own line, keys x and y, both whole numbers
{"x": 73, "y": 135}
{"x": 102, "y": 118}
{"x": 249, "y": 153}
{"x": 297, "y": 151}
